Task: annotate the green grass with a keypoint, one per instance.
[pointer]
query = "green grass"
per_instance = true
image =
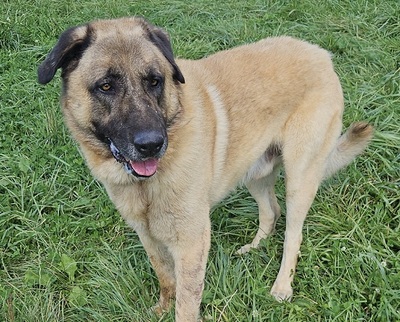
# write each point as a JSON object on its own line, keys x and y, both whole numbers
{"x": 66, "y": 255}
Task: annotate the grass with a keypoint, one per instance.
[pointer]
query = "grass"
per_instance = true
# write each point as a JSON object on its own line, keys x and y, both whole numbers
{"x": 66, "y": 255}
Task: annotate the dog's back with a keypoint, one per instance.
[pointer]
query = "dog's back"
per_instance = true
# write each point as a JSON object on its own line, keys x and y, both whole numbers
{"x": 254, "y": 90}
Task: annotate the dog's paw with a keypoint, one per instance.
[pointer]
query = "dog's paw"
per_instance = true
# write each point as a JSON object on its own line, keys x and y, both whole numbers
{"x": 281, "y": 292}
{"x": 244, "y": 249}
{"x": 159, "y": 309}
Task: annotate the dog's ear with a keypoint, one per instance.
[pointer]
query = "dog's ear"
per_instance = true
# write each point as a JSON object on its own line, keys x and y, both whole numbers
{"x": 65, "y": 54}
{"x": 160, "y": 39}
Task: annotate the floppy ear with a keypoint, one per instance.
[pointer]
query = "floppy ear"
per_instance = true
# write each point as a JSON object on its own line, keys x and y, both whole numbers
{"x": 65, "y": 54}
{"x": 160, "y": 38}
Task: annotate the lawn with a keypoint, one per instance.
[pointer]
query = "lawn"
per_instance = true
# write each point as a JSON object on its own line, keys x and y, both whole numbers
{"x": 65, "y": 253}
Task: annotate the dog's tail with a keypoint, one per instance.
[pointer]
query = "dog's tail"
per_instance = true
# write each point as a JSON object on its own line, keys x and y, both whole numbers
{"x": 348, "y": 146}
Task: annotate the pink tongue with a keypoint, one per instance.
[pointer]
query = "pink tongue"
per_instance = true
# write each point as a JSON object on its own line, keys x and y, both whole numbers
{"x": 145, "y": 168}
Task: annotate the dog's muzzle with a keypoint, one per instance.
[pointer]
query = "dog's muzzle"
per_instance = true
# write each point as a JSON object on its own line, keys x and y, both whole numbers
{"x": 149, "y": 149}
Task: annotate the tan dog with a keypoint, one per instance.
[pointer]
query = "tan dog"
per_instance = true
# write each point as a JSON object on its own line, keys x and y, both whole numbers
{"x": 169, "y": 139}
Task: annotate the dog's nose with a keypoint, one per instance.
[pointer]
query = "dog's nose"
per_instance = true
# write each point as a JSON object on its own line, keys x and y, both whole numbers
{"x": 148, "y": 144}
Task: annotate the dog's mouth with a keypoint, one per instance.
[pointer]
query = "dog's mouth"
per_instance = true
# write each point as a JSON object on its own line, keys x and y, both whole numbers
{"x": 145, "y": 168}
{"x": 139, "y": 168}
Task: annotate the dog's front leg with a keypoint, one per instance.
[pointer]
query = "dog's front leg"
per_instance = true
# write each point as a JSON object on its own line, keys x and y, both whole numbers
{"x": 190, "y": 253}
{"x": 163, "y": 264}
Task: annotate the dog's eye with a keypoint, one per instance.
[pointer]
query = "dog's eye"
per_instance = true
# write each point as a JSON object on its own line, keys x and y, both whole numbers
{"x": 154, "y": 82}
{"x": 106, "y": 87}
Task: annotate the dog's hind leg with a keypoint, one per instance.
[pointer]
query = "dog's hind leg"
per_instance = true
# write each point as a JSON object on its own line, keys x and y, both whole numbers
{"x": 304, "y": 157}
{"x": 307, "y": 162}
{"x": 299, "y": 196}
{"x": 263, "y": 191}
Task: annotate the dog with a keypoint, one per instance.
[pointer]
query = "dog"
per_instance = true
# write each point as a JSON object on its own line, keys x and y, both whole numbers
{"x": 169, "y": 138}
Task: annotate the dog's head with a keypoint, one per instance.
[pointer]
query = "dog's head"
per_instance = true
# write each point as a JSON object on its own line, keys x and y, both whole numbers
{"x": 120, "y": 85}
